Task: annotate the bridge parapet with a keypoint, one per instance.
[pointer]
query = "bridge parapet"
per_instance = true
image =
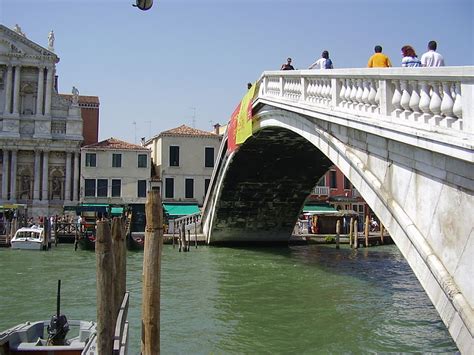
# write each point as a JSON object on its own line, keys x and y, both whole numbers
{"x": 432, "y": 99}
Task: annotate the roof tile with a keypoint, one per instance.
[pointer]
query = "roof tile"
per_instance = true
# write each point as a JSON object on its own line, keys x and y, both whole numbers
{"x": 115, "y": 144}
{"x": 184, "y": 130}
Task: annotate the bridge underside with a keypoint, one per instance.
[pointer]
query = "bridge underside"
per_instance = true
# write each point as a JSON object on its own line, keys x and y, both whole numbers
{"x": 265, "y": 187}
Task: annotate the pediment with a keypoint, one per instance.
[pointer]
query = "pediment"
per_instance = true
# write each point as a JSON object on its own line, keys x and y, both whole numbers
{"x": 12, "y": 42}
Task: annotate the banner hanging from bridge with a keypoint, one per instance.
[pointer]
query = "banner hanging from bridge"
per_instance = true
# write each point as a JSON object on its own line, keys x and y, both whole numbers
{"x": 240, "y": 125}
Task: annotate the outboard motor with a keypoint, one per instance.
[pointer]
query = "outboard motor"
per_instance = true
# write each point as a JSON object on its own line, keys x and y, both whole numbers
{"x": 58, "y": 327}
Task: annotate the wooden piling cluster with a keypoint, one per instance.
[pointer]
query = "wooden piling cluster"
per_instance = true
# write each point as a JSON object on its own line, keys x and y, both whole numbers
{"x": 110, "y": 254}
{"x": 150, "y": 341}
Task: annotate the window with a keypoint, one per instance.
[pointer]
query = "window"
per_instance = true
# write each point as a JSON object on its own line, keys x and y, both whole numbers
{"x": 347, "y": 184}
{"x": 169, "y": 188}
{"x": 91, "y": 160}
{"x": 322, "y": 181}
{"x": 116, "y": 187}
{"x": 116, "y": 160}
{"x": 206, "y": 185}
{"x": 102, "y": 187}
{"x": 189, "y": 188}
{"x": 141, "y": 188}
{"x": 142, "y": 160}
{"x": 89, "y": 187}
{"x": 332, "y": 179}
{"x": 209, "y": 157}
{"x": 174, "y": 155}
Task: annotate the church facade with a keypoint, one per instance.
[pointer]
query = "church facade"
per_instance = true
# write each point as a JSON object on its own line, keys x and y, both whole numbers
{"x": 41, "y": 131}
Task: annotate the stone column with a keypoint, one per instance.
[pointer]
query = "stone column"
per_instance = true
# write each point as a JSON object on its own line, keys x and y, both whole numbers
{"x": 67, "y": 193}
{"x": 13, "y": 175}
{"x": 5, "y": 175}
{"x": 16, "y": 90}
{"x": 76, "y": 177}
{"x": 39, "y": 99}
{"x": 49, "y": 89}
{"x": 8, "y": 91}
{"x": 45, "y": 196}
{"x": 37, "y": 177}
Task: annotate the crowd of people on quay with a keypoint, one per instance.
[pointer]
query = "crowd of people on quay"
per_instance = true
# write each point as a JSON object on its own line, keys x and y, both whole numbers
{"x": 431, "y": 58}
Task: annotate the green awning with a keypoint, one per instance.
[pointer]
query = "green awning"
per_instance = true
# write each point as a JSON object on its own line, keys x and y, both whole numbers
{"x": 321, "y": 208}
{"x": 176, "y": 210}
{"x": 116, "y": 210}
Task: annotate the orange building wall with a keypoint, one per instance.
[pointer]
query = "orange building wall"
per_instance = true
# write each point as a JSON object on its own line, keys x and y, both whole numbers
{"x": 90, "y": 128}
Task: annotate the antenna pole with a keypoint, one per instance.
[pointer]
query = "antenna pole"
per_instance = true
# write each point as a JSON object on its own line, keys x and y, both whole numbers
{"x": 58, "y": 299}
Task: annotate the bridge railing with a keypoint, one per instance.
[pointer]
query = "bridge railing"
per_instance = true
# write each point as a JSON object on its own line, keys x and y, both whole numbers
{"x": 428, "y": 98}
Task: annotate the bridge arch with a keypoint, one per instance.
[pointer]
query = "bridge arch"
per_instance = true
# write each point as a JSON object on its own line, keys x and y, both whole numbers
{"x": 397, "y": 180}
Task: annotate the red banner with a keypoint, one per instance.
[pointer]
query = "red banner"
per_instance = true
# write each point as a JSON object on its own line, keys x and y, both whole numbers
{"x": 232, "y": 130}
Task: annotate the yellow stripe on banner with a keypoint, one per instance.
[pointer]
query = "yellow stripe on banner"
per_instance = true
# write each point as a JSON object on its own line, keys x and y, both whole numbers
{"x": 244, "y": 123}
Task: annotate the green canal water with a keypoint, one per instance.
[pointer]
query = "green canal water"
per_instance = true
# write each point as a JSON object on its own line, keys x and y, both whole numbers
{"x": 296, "y": 300}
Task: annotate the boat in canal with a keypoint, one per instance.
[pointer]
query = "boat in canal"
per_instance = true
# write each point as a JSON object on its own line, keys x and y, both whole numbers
{"x": 50, "y": 337}
{"x": 31, "y": 238}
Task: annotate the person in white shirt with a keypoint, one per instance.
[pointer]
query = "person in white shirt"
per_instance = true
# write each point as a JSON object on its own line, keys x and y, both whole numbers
{"x": 322, "y": 63}
{"x": 432, "y": 58}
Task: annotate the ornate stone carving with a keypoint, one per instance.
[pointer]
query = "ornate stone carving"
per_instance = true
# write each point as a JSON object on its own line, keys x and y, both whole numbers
{"x": 59, "y": 102}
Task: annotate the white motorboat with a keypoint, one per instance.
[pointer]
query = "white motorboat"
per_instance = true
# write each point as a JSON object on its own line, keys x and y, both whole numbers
{"x": 31, "y": 238}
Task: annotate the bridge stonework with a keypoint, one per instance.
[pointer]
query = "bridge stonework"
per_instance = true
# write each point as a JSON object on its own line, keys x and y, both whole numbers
{"x": 405, "y": 140}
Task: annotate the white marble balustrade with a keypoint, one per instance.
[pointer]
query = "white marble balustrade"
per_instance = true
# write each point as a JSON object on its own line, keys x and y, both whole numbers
{"x": 430, "y": 98}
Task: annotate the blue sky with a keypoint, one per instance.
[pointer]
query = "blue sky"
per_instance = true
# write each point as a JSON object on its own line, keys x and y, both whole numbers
{"x": 157, "y": 68}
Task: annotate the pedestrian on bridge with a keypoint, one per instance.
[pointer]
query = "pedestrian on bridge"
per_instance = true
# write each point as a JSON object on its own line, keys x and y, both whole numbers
{"x": 322, "y": 63}
{"x": 287, "y": 66}
{"x": 379, "y": 60}
{"x": 410, "y": 58}
{"x": 432, "y": 58}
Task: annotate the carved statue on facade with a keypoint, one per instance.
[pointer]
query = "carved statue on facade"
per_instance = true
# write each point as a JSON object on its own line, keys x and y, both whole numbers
{"x": 25, "y": 187}
{"x": 56, "y": 187}
{"x": 51, "y": 40}
{"x": 18, "y": 30}
{"x": 75, "y": 96}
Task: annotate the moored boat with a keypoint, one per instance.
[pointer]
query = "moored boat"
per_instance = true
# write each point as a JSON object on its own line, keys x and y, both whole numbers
{"x": 31, "y": 238}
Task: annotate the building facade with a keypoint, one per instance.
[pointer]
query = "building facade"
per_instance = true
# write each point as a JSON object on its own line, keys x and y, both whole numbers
{"x": 41, "y": 131}
{"x": 115, "y": 172}
{"x": 184, "y": 159}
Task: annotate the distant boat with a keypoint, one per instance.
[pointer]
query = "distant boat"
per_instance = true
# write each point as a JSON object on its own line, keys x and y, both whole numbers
{"x": 31, "y": 238}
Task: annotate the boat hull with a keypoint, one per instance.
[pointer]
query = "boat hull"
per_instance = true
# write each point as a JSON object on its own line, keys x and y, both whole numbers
{"x": 26, "y": 245}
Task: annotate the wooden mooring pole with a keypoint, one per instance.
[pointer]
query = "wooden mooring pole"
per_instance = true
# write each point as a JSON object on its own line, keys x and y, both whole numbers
{"x": 356, "y": 235}
{"x": 120, "y": 259}
{"x": 338, "y": 231}
{"x": 150, "y": 341}
{"x": 381, "y": 233}
{"x": 366, "y": 231}
{"x": 105, "y": 271}
{"x": 351, "y": 229}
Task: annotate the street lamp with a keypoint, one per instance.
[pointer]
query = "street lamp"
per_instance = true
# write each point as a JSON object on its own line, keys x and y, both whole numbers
{"x": 144, "y": 4}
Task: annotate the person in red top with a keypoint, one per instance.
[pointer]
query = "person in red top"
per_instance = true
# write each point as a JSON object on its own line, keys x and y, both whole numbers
{"x": 287, "y": 66}
{"x": 379, "y": 60}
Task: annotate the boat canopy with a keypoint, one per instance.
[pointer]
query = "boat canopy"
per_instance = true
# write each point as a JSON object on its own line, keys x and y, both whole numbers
{"x": 174, "y": 210}
{"x": 319, "y": 209}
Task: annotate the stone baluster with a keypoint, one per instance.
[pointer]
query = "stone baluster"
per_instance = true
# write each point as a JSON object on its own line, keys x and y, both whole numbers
{"x": 39, "y": 99}
{"x": 16, "y": 90}
{"x": 318, "y": 90}
{"x": 372, "y": 95}
{"x": 414, "y": 102}
{"x": 435, "y": 104}
{"x": 334, "y": 90}
{"x": 457, "y": 106}
{"x": 13, "y": 169}
{"x": 447, "y": 105}
{"x": 324, "y": 91}
{"x": 424, "y": 104}
{"x": 348, "y": 93}
{"x": 37, "y": 177}
{"x": 359, "y": 94}
{"x": 365, "y": 94}
{"x": 353, "y": 94}
{"x": 304, "y": 88}
{"x": 281, "y": 86}
{"x": 396, "y": 99}
{"x": 8, "y": 91}
{"x": 342, "y": 93}
{"x": 5, "y": 174}
{"x": 405, "y": 99}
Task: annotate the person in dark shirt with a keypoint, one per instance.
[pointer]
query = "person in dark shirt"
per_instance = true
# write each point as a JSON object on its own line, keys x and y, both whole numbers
{"x": 287, "y": 66}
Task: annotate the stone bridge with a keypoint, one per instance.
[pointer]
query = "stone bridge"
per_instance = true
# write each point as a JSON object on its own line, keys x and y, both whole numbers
{"x": 404, "y": 137}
